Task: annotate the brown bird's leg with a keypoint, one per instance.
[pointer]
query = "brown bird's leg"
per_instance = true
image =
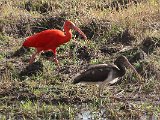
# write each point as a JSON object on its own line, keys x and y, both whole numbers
{"x": 33, "y": 56}
{"x": 101, "y": 86}
{"x": 99, "y": 95}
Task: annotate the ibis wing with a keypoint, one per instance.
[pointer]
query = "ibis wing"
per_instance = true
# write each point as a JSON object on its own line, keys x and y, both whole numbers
{"x": 95, "y": 73}
{"x": 44, "y": 38}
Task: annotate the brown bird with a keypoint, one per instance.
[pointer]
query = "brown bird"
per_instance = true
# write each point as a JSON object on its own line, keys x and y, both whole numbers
{"x": 102, "y": 74}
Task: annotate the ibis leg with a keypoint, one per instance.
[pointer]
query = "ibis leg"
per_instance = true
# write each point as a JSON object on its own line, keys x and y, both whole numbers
{"x": 55, "y": 58}
{"x": 33, "y": 57}
{"x": 56, "y": 61}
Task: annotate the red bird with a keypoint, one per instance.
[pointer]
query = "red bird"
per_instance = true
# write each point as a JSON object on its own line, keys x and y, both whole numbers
{"x": 49, "y": 40}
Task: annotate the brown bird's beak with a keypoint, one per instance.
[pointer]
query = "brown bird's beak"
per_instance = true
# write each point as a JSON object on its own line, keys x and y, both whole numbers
{"x": 129, "y": 65}
{"x": 79, "y": 31}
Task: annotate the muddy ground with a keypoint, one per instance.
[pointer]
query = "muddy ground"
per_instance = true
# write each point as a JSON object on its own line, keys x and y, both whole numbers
{"x": 41, "y": 91}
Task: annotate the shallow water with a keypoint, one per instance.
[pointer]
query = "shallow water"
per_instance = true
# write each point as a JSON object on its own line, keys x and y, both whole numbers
{"x": 87, "y": 114}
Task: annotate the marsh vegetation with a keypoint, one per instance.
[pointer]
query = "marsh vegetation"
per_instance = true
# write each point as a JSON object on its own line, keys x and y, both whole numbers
{"x": 113, "y": 28}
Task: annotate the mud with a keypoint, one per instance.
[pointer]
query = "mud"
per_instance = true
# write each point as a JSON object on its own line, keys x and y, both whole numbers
{"x": 65, "y": 70}
{"x": 124, "y": 37}
{"x": 63, "y": 100}
{"x": 26, "y": 25}
{"x": 148, "y": 70}
{"x": 32, "y": 69}
{"x": 42, "y": 7}
{"x": 20, "y": 28}
{"x": 134, "y": 54}
{"x": 16, "y": 91}
{"x": 21, "y": 92}
{"x": 109, "y": 50}
{"x": 150, "y": 44}
{"x": 140, "y": 55}
{"x": 49, "y": 22}
{"x": 95, "y": 28}
{"x": 83, "y": 53}
{"x": 121, "y": 4}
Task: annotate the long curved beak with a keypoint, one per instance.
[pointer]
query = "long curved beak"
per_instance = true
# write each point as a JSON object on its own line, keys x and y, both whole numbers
{"x": 80, "y": 32}
{"x": 129, "y": 65}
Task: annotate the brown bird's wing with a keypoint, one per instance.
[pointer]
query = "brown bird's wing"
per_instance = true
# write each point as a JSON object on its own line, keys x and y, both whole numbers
{"x": 103, "y": 66}
{"x": 95, "y": 73}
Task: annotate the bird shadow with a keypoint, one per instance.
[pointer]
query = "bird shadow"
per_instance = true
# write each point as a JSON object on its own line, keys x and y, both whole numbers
{"x": 21, "y": 51}
{"x": 47, "y": 54}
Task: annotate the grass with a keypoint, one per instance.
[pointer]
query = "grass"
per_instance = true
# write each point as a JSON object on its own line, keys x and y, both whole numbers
{"x": 40, "y": 92}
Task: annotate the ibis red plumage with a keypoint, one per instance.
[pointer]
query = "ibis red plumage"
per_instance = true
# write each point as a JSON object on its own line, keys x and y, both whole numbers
{"x": 49, "y": 40}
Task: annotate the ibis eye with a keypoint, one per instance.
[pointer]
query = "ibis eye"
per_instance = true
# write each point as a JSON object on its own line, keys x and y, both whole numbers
{"x": 71, "y": 26}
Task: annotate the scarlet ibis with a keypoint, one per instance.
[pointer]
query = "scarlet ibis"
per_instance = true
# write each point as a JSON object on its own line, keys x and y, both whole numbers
{"x": 102, "y": 74}
{"x": 49, "y": 40}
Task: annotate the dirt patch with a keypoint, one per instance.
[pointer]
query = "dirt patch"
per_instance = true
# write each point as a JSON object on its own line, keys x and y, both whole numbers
{"x": 121, "y": 4}
{"x": 16, "y": 91}
{"x": 147, "y": 70}
{"x": 137, "y": 56}
{"x": 42, "y": 7}
{"x": 63, "y": 100}
{"x": 95, "y": 28}
{"x": 32, "y": 69}
{"x": 83, "y": 53}
{"x": 21, "y": 27}
{"x": 65, "y": 70}
{"x": 25, "y": 25}
{"x": 49, "y": 22}
{"x": 149, "y": 44}
{"x": 134, "y": 54}
{"x": 140, "y": 55}
{"x": 124, "y": 37}
{"x": 109, "y": 50}
{"x": 26, "y": 95}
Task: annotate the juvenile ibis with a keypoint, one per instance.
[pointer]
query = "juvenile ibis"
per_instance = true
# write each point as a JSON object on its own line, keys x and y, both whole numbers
{"x": 102, "y": 74}
{"x": 49, "y": 40}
